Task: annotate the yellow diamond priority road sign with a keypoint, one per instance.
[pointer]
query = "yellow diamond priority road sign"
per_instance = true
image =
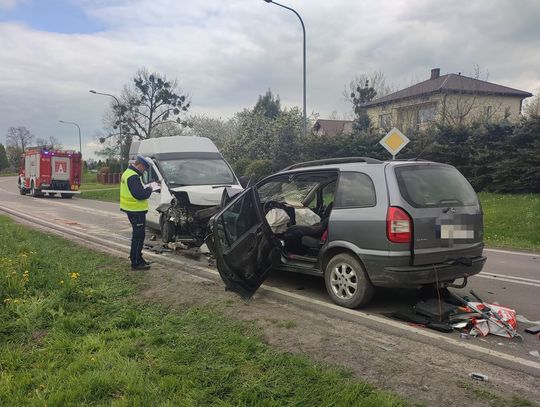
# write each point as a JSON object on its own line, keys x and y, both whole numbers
{"x": 394, "y": 141}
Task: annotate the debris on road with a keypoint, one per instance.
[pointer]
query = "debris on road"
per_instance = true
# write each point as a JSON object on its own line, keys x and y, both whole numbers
{"x": 176, "y": 246}
{"x": 534, "y": 353}
{"x": 533, "y": 329}
{"x": 479, "y": 376}
{"x": 448, "y": 311}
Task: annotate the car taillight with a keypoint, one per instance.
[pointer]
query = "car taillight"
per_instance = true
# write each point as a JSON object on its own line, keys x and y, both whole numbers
{"x": 398, "y": 225}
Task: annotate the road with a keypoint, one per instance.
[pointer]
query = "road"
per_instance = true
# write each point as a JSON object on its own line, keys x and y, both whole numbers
{"x": 510, "y": 278}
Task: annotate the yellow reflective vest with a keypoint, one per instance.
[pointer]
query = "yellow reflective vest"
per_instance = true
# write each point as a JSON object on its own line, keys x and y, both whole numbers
{"x": 128, "y": 202}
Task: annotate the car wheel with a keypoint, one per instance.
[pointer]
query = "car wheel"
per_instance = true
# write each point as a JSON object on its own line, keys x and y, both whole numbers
{"x": 168, "y": 231}
{"x": 22, "y": 190}
{"x": 66, "y": 196}
{"x": 347, "y": 282}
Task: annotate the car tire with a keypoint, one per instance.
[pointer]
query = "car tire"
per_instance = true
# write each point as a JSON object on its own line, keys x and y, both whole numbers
{"x": 34, "y": 192}
{"x": 22, "y": 190}
{"x": 168, "y": 231}
{"x": 346, "y": 281}
{"x": 66, "y": 196}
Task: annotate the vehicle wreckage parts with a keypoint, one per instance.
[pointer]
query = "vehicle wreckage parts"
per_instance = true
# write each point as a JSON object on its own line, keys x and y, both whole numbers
{"x": 182, "y": 221}
{"x": 347, "y": 282}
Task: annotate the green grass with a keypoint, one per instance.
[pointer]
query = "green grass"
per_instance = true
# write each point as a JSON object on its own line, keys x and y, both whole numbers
{"x": 8, "y": 174}
{"x": 90, "y": 189}
{"x": 511, "y": 221}
{"x": 84, "y": 339}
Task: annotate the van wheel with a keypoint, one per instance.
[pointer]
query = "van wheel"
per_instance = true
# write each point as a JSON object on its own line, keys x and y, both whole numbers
{"x": 168, "y": 231}
{"x": 66, "y": 196}
{"x": 22, "y": 190}
{"x": 347, "y": 282}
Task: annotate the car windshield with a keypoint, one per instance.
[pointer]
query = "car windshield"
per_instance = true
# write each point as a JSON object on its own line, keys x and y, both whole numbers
{"x": 434, "y": 186}
{"x": 283, "y": 190}
{"x": 197, "y": 171}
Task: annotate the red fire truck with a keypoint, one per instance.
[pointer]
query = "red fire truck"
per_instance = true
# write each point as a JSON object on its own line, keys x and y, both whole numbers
{"x": 44, "y": 171}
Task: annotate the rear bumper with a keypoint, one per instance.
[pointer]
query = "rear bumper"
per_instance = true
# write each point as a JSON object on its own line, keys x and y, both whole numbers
{"x": 413, "y": 276}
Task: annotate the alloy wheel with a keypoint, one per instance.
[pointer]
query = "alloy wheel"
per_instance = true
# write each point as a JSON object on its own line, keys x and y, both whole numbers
{"x": 344, "y": 281}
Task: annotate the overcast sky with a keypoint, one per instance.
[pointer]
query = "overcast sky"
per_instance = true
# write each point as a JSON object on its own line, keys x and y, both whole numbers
{"x": 227, "y": 52}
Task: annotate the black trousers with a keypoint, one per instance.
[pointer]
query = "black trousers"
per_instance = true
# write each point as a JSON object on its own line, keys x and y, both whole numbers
{"x": 138, "y": 224}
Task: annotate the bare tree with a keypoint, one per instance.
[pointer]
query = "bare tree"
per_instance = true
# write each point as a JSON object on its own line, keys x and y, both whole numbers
{"x": 532, "y": 106}
{"x": 19, "y": 138}
{"x": 52, "y": 142}
{"x": 376, "y": 80}
{"x": 151, "y": 102}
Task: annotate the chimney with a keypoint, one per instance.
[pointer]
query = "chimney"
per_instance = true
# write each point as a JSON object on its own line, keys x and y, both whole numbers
{"x": 435, "y": 73}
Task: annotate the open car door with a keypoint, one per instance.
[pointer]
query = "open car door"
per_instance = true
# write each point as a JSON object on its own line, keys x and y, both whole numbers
{"x": 243, "y": 244}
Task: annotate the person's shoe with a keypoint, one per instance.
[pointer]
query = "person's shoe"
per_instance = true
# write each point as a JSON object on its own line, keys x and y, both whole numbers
{"x": 140, "y": 266}
{"x": 143, "y": 261}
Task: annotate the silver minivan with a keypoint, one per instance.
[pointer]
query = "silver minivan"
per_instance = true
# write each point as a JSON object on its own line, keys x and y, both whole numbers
{"x": 358, "y": 222}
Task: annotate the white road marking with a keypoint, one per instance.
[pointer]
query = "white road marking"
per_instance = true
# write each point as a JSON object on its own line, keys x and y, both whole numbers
{"x": 513, "y": 277}
{"x": 8, "y": 192}
{"x": 522, "y": 318}
{"x": 513, "y": 252}
{"x": 307, "y": 300}
{"x": 508, "y": 280}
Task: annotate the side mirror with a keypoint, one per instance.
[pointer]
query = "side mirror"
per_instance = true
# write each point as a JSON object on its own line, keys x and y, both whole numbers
{"x": 244, "y": 180}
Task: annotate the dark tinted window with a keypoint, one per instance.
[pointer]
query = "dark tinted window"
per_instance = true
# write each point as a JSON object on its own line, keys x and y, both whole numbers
{"x": 355, "y": 189}
{"x": 434, "y": 186}
{"x": 238, "y": 219}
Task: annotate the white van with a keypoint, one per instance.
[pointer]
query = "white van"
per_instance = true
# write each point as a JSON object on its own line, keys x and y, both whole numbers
{"x": 193, "y": 176}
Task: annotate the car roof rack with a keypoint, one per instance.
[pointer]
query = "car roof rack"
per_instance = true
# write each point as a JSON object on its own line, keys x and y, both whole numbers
{"x": 341, "y": 160}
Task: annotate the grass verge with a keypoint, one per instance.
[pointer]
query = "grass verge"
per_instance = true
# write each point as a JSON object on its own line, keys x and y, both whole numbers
{"x": 511, "y": 221}
{"x": 90, "y": 189}
{"x": 73, "y": 333}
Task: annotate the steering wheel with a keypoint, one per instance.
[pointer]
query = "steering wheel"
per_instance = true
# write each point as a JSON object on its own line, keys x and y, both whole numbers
{"x": 269, "y": 205}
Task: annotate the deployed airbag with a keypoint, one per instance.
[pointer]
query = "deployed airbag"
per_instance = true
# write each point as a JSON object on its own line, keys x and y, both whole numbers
{"x": 278, "y": 220}
{"x": 306, "y": 217}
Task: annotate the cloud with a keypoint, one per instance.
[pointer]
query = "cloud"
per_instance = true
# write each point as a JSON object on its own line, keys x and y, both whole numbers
{"x": 10, "y": 4}
{"x": 225, "y": 54}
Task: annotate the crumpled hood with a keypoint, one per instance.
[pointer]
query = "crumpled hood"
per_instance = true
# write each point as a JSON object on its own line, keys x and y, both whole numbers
{"x": 204, "y": 195}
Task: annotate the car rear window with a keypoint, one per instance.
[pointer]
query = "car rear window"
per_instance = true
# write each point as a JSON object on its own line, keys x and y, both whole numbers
{"x": 355, "y": 190}
{"x": 425, "y": 186}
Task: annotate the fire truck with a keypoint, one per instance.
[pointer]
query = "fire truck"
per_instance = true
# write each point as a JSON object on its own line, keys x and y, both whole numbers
{"x": 43, "y": 171}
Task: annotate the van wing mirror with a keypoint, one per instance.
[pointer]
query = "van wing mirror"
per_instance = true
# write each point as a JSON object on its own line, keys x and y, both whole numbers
{"x": 246, "y": 181}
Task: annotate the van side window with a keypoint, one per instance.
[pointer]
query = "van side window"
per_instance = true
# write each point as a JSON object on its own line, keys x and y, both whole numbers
{"x": 355, "y": 190}
{"x": 149, "y": 176}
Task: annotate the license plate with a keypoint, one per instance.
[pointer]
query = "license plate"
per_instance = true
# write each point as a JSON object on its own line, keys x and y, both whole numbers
{"x": 457, "y": 232}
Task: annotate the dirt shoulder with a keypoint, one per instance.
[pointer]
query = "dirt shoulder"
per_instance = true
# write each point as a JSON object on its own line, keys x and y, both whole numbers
{"x": 425, "y": 374}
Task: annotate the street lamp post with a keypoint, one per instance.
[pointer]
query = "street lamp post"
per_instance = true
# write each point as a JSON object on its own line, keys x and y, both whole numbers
{"x": 119, "y": 127}
{"x": 75, "y": 124}
{"x": 304, "y": 55}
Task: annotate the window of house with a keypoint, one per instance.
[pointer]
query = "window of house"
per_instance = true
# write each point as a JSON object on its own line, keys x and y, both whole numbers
{"x": 427, "y": 114}
{"x": 385, "y": 120}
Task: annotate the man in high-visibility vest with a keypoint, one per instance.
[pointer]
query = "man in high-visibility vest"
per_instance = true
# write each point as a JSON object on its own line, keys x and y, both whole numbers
{"x": 134, "y": 202}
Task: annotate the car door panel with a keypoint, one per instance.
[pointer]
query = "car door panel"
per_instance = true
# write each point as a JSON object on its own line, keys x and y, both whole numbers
{"x": 243, "y": 244}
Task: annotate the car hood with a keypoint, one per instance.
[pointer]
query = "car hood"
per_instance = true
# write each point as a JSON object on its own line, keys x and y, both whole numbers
{"x": 205, "y": 195}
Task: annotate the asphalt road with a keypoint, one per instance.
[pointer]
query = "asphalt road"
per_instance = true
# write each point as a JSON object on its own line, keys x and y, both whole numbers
{"x": 510, "y": 278}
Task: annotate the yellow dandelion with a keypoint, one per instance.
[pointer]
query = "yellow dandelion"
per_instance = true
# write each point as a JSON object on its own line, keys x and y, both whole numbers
{"x": 61, "y": 281}
{"x": 8, "y": 301}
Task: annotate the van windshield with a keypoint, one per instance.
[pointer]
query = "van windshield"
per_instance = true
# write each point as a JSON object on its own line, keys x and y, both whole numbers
{"x": 434, "y": 186}
{"x": 197, "y": 171}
